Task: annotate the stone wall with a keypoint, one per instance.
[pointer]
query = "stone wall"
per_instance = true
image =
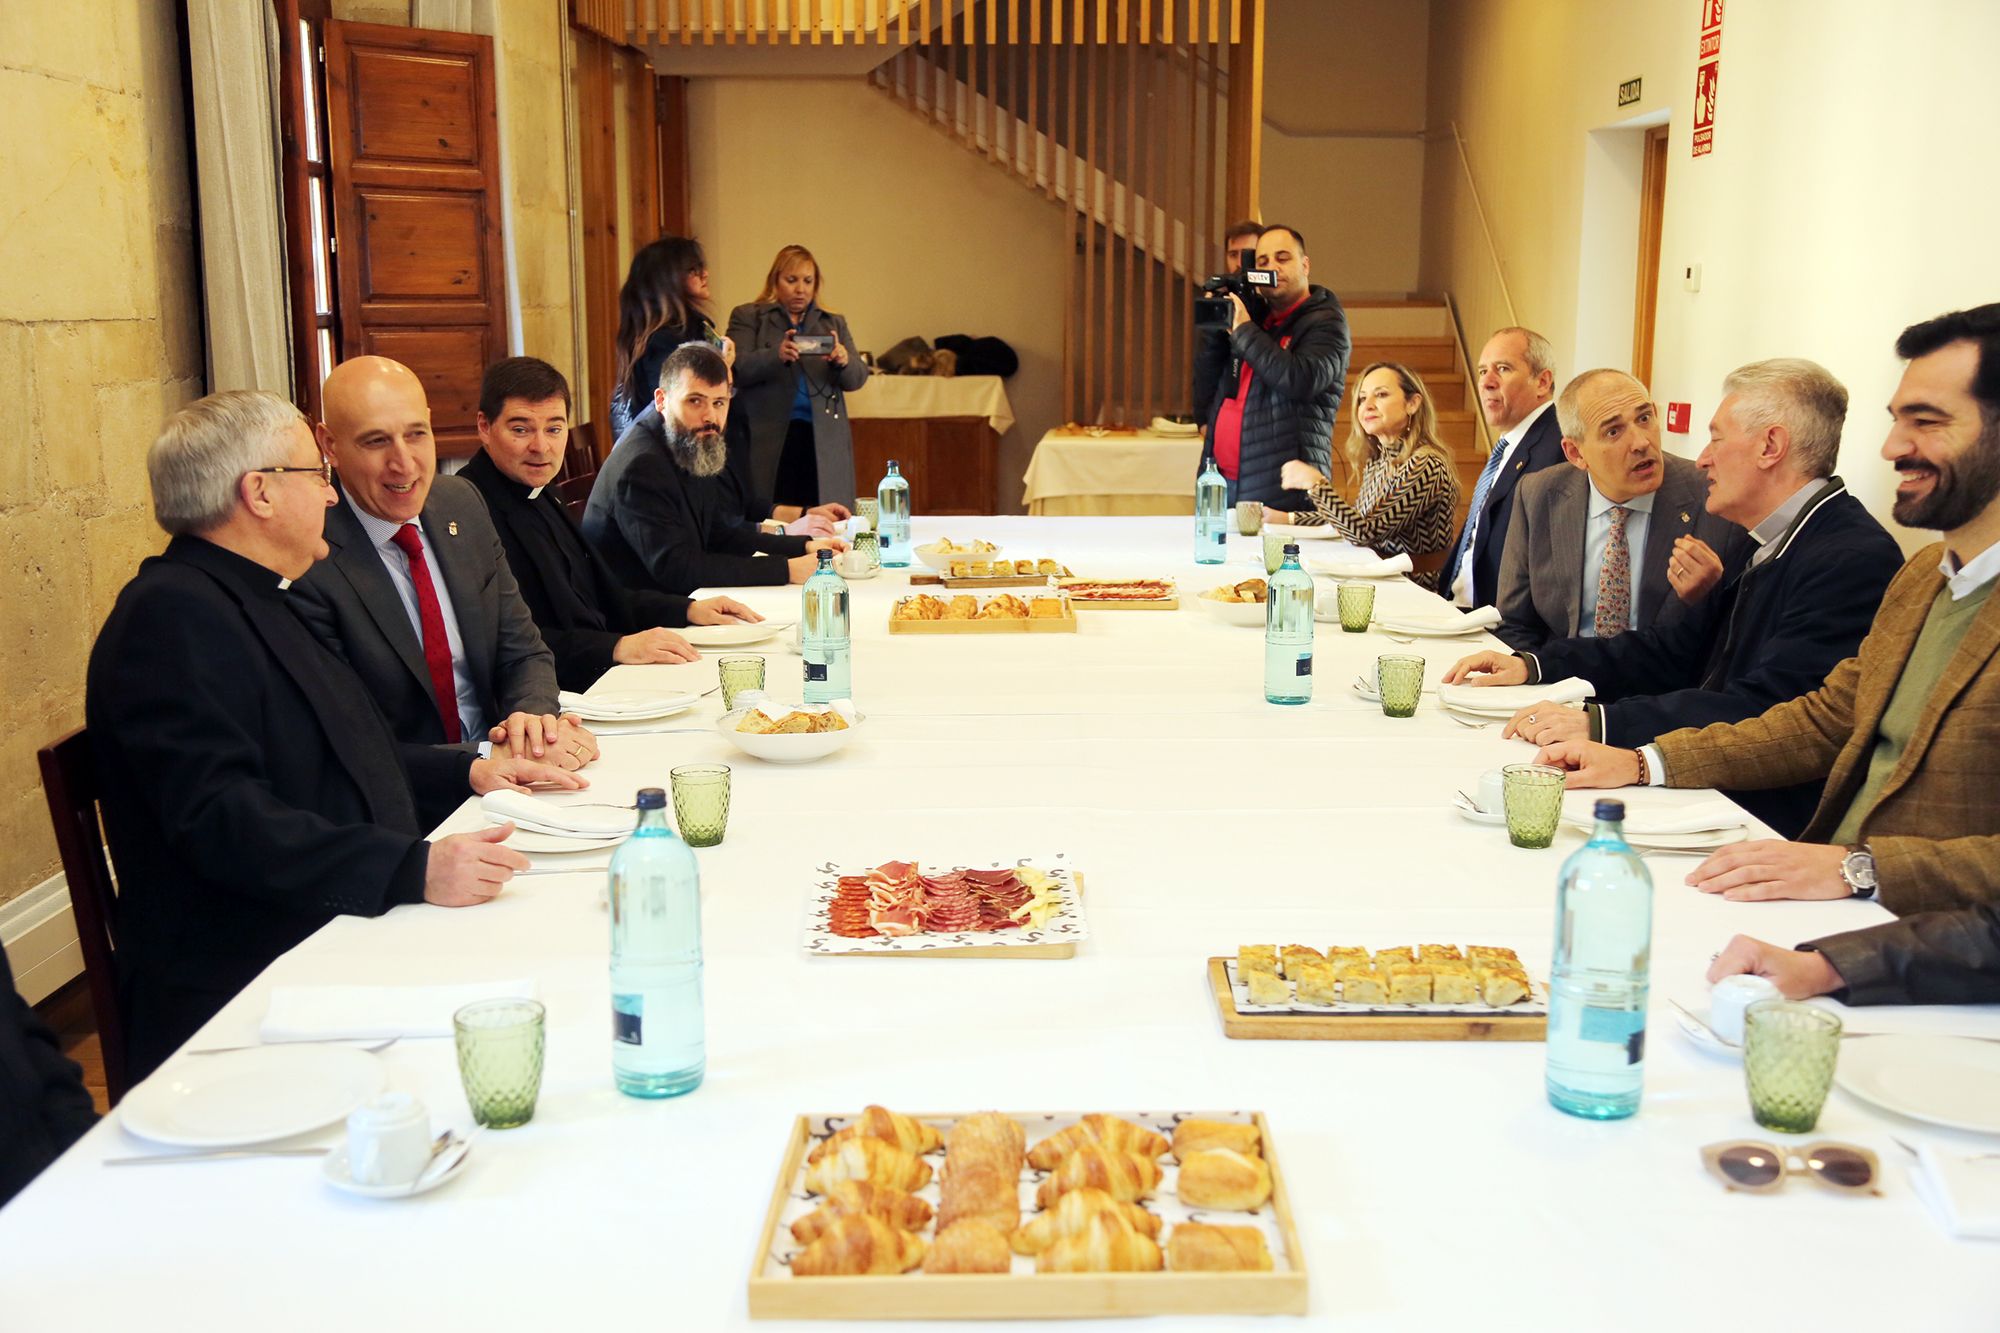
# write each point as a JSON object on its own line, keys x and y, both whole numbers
{"x": 100, "y": 338}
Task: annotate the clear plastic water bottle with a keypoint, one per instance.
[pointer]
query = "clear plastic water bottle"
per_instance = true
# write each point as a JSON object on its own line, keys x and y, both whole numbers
{"x": 1211, "y": 516}
{"x": 1288, "y": 633}
{"x": 892, "y": 503}
{"x": 823, "y": 618}
{"x": 657, "y": 1043}
{"x": 1599, "y": 980}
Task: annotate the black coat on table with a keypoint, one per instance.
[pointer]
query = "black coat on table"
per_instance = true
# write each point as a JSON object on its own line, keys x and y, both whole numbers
{"x": 350, "y": 601}
{"x": 251, "y": 789}
{"x": 1298, "y": 377}
{"x": 1948, "y": 957}
{"x": 1771, "y": 634}
{"x": 656, "y": 525}
{"x": 1541, "y": 447}
{"x": 580, "y": 608}
{"x": 44, "y": 1106}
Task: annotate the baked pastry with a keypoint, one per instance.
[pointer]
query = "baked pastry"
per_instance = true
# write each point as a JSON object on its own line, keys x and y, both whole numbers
{"x": 921, "y": 607}
{"x": 1317, "y": 984}
{"x": 1267, "y": 988}
{"x": 1197, "y": 1247}
{"x": 1304, "y": 953}
{"x": 961, "y": 569}
{"x": 969, "y": 1247}
{"x": 1105, "y": 1245}
{"x": 988, "y": 1136}
{"x": 1439, "y": 953}
{"x": 1257, "y": 958}
{"x": 1388, "y": 958}
{"x": 1199, "y": 1135}
{"x": 1125, "y": 1176}
{"x": 1348, "y": 954}
{"x": 1410, "y": 984}
{"x": 858, "y": 1198}
{"x": 875, "y": 1122}
{"x": 983, "y": 1189}
{"x": 1224, "y": 1178}
{"x": 962, "y": 607}
{"x": 856, "y": 1245}
{"x": 1024, "y": 566}
{"x": 871, "y": 1160}
{"x": 1105, "y": 1130}
{"x": 1369, "y": 987}
{"x": 1071, "y": 1216}
{"x": 1004, "y": 606}
{"x": 1050, "y": 568}
{"x": 1487, "y": 955}
{"x": 1452, "y": 983}
{"x": 1046, "y": 608}
{"x": 793, "y": 724}
{"x": 1500, "y": 987}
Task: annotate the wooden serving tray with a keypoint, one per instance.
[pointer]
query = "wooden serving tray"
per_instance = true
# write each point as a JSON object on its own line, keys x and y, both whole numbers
{"x": 1032, "y": 625}
{"x": 1172, "y": 602}
{"x": 1062, "y": 949}
{"x": 1025, "y": 1295}
{"x": 970, "y": 583}
{"x": 1367, "y": 1027}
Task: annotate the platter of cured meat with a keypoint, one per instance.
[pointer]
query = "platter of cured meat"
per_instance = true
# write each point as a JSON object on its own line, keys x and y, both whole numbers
{"x": 1031, "y": 909}
{"x": 1122, "y": 594}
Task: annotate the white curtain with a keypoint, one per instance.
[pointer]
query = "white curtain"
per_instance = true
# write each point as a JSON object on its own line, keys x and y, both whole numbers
{"x": 233, "y": 66}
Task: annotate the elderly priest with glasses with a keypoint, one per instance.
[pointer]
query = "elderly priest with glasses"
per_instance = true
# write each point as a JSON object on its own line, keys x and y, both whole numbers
{"x": 251, "y": 788}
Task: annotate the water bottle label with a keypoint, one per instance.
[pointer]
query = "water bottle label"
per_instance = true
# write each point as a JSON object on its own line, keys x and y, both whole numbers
{"x": 1305, "y": 667}
{"x": 1615, "y": 1027}
{"x": 1221, "y": 537}
{"x": 816, "y": 671}
{"x": 628, "y": 1019}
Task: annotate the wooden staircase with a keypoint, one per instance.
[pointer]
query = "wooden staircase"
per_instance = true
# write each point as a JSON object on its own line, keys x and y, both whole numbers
{"x": 1434, "y": 358}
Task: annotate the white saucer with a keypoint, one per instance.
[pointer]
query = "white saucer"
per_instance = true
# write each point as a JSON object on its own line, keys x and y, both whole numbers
{"x": 1700, "y": 1035}
{"x": 334, "y": 1169}
{"x": 1479, "y": 816}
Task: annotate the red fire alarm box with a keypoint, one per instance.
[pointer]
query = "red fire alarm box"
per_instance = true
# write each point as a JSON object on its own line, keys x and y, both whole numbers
{"x": 1677, "y": 417}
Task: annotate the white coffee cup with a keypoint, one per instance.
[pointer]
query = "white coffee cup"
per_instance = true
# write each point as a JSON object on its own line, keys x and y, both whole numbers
{"x": 1492, "y": 792}
{"x": 388, "y": 1140}
{"x": 854, "y": 564}
{"x": 1729, "y": 997}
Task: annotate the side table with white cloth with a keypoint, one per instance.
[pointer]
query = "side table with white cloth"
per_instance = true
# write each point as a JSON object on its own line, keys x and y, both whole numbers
{"x": 1079, "y": 470}
{"x": 1140, "y": 749}
{"x": 944, "y": 430}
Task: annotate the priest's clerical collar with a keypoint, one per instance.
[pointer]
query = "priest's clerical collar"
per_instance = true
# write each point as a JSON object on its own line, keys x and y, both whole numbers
{"x": 284, "y": 585}
{"x": 536, "y": 492}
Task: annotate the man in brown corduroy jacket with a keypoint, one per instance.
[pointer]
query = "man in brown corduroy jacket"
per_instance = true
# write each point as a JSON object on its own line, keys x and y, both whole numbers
{"x": 1906, "y": 734}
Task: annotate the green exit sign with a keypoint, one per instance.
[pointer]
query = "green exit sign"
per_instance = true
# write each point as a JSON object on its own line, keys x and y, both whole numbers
{"x": 1628, "y": 92}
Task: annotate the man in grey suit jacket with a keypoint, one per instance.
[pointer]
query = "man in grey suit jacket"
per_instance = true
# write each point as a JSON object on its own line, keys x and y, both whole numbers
{"x": 1588, "y": 545}
{"x": 415, "y": 593}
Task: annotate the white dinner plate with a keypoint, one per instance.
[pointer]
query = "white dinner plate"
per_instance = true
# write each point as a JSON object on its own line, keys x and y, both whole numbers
{"x": 1951, "y": 1081}
{"x": 551, "y": 844}
{"x": 733, "y": 635}
{"x": 1706, "y": 840}
{"x": 630, "y": 706}
{"x": 1427, "y": 629}
{"x": 254, "y": 1096}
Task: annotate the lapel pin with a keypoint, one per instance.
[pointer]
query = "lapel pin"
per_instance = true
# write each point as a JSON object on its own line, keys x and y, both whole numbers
{"x": 1684, "y": 518}
{"x": 452, "y": 527}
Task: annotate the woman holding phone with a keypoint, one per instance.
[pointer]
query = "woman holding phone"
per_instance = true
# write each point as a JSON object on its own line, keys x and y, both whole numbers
{"x": 795, "y": 362}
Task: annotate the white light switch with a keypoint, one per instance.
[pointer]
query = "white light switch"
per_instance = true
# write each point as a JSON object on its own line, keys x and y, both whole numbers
{"x": 1691, "y": 278}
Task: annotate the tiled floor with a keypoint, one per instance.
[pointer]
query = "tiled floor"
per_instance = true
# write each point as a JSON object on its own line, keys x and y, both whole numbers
{"x": 68, "y": 1012}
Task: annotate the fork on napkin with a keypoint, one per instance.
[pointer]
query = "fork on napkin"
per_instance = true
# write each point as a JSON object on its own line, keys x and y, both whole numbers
{"x": 1962, "y": 1192}
{"x": 1362, "y": 569}
{"x": 327, "y": 1013}
{"x": 1485, "y": 617}
{"x": 559, "y": 821}
{"x": 1511, "y": 698}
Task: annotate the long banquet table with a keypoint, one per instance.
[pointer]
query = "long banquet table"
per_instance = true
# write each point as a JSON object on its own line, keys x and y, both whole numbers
{"x": 1431, "y": 1181}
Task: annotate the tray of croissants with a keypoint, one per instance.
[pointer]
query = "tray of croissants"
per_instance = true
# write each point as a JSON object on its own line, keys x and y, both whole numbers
{"x": 992, "y": 1214}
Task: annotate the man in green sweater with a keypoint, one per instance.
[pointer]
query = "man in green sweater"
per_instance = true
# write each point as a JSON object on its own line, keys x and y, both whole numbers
{"x": 1906, "y": 734}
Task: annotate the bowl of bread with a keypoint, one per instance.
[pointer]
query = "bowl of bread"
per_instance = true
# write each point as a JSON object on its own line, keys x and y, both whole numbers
{"x": 789, "y": 733}
{"x": 1237, "y": 603}
{"x": 940, "y": 554}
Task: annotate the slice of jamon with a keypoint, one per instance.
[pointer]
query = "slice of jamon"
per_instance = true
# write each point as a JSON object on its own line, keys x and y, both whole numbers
{"x": 895, "y": 871}
{"x": 990, "y": 878}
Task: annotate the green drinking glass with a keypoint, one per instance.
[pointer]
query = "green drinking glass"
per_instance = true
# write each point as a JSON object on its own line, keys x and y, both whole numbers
{"x": 1249, "y": 517}
{"x": 1274, "y": 550}
{"x": 1533, "y": 795}
{"x": 869, "y": 509}
{"x": 869, "y": 545}
{"x": 1357, "y": 606}
{"x": 1399, "y": 680}
{"x": 701, "y": 803}
{"x": 1789, "y": 1051}
{"x": 500, "y": 1045}
{"x": 739, "y": 674}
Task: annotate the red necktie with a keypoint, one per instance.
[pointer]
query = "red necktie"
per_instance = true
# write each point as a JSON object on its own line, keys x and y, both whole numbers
{"x": 437, "y": 647}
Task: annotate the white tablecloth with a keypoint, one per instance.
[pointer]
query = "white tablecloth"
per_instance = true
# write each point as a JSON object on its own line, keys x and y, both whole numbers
{"x": 1431, "y": 1181}
{"x": 934, "y": 396}
{"x": 1075, "y": 466}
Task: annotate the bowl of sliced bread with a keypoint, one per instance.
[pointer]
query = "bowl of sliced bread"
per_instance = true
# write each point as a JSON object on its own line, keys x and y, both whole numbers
{"x": 790, "y": 733}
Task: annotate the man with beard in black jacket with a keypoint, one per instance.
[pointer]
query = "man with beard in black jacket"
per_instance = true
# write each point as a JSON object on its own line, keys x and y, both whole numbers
{"x": 659, "y": 516}
{"x": 1278, "y": 380}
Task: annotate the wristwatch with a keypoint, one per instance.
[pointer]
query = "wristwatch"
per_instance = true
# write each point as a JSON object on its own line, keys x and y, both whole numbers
{"x": 1857, "y": 871}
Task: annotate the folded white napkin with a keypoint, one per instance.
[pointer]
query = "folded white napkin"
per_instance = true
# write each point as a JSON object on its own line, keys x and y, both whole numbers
{"x": 632, "y": 704}
{"x": 1509, "y": 698}
{"x": 1711, "y": 816}
{"x": 323, "y": 1013}
{"x": 758, "y": 701}
{"x": 1363, "y": 569}
{"x": 1485, "y": 617}
{"x": 1962, "y": 1193}
{"x": 538, "y": 816}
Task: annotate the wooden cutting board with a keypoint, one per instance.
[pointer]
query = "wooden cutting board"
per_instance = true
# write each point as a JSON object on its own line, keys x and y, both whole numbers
{"x": 1367, "y": 1027}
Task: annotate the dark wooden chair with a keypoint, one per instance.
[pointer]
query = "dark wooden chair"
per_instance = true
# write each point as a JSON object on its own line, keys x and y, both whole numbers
{"x": 579, "y": 469}
{"x": 69, "y": 781}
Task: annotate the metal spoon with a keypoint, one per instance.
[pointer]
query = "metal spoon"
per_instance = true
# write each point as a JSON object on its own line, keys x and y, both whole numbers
{"x": 371, "y": 1047}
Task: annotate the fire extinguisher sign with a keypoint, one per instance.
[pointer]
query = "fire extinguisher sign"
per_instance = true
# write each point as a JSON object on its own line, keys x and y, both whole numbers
{"x": 1708, "y": 68}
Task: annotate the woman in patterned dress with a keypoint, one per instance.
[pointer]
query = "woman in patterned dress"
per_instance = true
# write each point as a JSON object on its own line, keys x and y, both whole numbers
{"x": 1409, "y": 490}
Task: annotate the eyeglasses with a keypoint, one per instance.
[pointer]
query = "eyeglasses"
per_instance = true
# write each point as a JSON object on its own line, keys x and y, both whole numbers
{"x": 1759, "y": 1168}
{"x": 324, "y": 470}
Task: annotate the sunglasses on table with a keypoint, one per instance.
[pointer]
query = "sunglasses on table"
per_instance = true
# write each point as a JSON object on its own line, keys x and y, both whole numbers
{"x": 1759, "y": 1168}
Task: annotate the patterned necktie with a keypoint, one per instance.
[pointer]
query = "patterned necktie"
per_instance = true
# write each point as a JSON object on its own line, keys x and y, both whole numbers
{"x": 437, "y": 647}
{"x": 1480, "y": 490}
{"x": 1614, "y": 580}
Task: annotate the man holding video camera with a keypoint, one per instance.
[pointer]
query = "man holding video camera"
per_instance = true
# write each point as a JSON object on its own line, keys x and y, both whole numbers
{"x": 1279, "y": 363}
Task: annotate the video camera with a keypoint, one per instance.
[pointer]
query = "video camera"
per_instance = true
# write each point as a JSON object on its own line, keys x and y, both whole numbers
{"x": 1249, "y": 286}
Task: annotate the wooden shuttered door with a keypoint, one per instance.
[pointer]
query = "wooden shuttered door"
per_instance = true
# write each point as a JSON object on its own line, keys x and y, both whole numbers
{"x": 414, "y": 148}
